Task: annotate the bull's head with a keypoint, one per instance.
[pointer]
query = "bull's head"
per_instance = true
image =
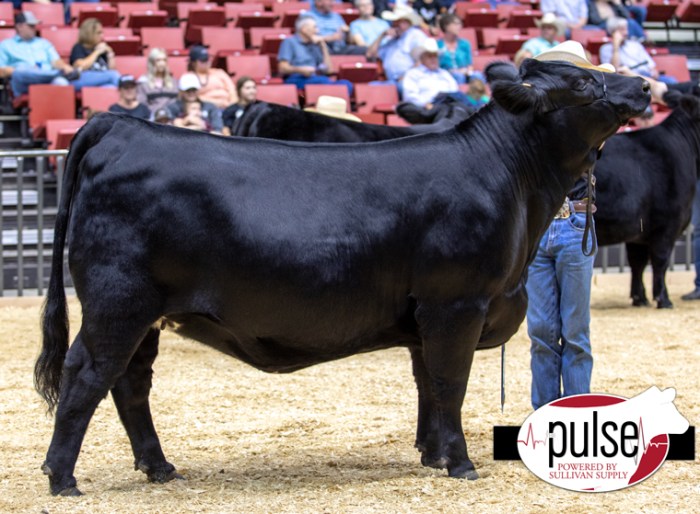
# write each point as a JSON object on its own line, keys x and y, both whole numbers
{"x": 602, "y": 100}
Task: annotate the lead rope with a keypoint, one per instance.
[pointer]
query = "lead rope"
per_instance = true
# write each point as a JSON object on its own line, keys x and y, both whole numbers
{"x": 589, "y": 228}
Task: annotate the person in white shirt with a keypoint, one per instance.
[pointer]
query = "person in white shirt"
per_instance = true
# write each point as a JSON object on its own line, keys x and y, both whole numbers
{"x": 425, "y": 81}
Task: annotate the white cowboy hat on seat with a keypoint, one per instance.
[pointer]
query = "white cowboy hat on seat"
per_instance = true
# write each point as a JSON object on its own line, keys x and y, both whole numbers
{"x": 334, "y": 107}
{"x": 572, "y": 52}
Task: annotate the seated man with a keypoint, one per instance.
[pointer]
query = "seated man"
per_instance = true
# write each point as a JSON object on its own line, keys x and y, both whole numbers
{"x": 367, "y": 28}
{"x": 628, "y": 55}
{"x": 550, "y": 28}
{"x": 394, "y": 45}
{"x": 128, "y": 103}
{"x": 27, "y": 59}
{"x": 189, "y": 86}
{"x": 332, "y": 28}
{"x": 426, "y": 80}
{"x": 304, "y": 57}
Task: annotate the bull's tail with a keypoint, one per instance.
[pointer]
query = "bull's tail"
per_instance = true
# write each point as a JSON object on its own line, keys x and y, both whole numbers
{"x": 49, "y": 366}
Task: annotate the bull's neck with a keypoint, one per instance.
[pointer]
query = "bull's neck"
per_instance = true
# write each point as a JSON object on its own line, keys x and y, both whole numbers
{"x": 683, "y": 128}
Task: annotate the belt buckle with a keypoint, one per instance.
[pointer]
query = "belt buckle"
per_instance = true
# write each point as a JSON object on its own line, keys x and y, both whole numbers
{"x": 564, "y": 211}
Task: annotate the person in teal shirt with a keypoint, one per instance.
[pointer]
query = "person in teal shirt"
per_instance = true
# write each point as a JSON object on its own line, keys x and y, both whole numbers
{"x": 455, "y": 52}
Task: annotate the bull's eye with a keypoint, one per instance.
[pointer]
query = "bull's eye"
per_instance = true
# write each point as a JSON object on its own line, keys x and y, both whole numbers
{"x": 580, "y": 85}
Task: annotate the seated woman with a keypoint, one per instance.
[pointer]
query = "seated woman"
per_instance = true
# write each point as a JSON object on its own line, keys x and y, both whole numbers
{"x": 215, "y": 85}
{"x": 455, "y": 52}
{"x": 247, "y": 91}
{"x": 93, "y": 58}
{"x": 157, "y": 87}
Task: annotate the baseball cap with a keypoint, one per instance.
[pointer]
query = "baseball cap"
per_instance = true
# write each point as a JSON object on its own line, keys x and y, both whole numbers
{"x": 26, "y": 17}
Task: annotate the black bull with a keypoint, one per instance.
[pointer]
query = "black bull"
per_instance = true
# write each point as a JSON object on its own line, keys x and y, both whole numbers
{"x": 274, "y": 121}
{"x": 646, "y": 183}
{"x": 286, "y": 255}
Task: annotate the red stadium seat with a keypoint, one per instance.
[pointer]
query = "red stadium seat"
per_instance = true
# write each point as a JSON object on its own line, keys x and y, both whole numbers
{"x": 661, "y": 10}
{"x": 469, "y": 33}
{"x": 523, "y": 19}
{"x": 54, "y": 126}
{"x": 283, "y": 94}
{"x": 62, "y": 38}
{"x": 593, "y": 44}
{"x": 490, "y": 36}
{"x": 339, "y": 60}
{"x": 47, "y": 14}
{"x": 7, "y": 15}
{"x": 359, "y": 72}
{"x": 169, "y": 38}
{"x": 313, "y": 91}
{"x": 135, "y": 65}
{"x": 178, "y": 65}
{"x": 583, "y": 35}
{"x": 97, "y": 99}
{"x": 481, "y": 61}
{"x": 49, "y": 102}
{"x": 182, "y": 9}
{"x": 222, "y": 39}
{"x": 106, "y": 14}
{"x": 271, "y": 44}
{"x": 673, "y": 65}
{"x": 7, "y": 32}
{"x": 138, "y": 20}
{"x": 246, "y": 20}
{"x": 481, "y": 17}
{"x": 124, "y": 45}
{"x": 124, "y": 9}
{"x": 255, "y": 66}
{"x": 199, "y": 18}
{"x": 376, "y": 98}
{"x": 394, "y": 120}
{"x": 257, "y": 34}
{"x": 375, "y": 118}
{"x": 510, "y": 44}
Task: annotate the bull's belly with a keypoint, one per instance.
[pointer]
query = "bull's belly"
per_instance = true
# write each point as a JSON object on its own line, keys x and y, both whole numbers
{"x": 288, "y": 352}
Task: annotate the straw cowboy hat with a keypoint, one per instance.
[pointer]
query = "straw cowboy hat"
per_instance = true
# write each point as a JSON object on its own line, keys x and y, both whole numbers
{"x": 402, "y": 12}
{"x": 551, "y": 19}
{"x": 429, "y": 45}
{"x": 334, "y": 107}
{"x": 572, "y": 51}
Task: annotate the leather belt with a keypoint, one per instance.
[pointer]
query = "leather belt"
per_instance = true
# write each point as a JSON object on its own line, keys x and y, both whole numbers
{"x": 572, "y": 206}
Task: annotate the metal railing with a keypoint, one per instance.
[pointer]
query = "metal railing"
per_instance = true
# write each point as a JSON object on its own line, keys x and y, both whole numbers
{"x": 28, "y": 240}
{"x": 27, "y": 194}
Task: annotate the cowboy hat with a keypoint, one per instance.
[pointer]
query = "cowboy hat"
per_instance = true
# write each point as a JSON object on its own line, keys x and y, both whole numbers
{"x": 402, "y": 12}
{"x": 572, "y": 52}
{"x": 429, "y": 45}
{"x": 334, "y": 107}
{"x": 551, "y": 19}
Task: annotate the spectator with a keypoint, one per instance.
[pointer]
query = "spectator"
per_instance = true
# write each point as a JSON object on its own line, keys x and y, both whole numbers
{"x": 550, "y": 28}
{"x": 573, "y": 14}
{"x": 332, "y": 28}
{"x": 247, "y": 91}
{"x": 476, "y": 92}
{"x": 215, "y": 85}
{"x": 395, "y": 44}
{"x": 429, "y": 11}
{"x": 189, "y": 92}
{"x": 157, "y": 87}
{"x": 128, "y": 103}
{"x": 426, "y": 80}
{"x": 367, "y": 28}
{"x": 27, "y": 59}
{"x": 192, "y": 117}
{"x": 93, "y": 57}
{"x": 304, "y": 57}
{"x": 628, "y": 55}
{"x": 455, "y": 52}
{"x": 600, "y": 11}
{"x": 163, "y": 116}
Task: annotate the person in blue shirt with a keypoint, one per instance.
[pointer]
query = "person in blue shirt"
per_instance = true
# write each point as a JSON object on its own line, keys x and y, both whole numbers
{"x": 395, "y": 44}
{"x": 332, "y": 28}
{"x": 550, "y": 28}
{"x": 304, "y": 58}
{"x": 455, "y": 52}
{"x": 367, "y": 28}
{"x": 27, "y": 59}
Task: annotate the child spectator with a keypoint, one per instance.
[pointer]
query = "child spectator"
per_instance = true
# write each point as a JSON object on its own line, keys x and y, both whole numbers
{"x": 247, "y": 91}
{"x": 128, "y": 103}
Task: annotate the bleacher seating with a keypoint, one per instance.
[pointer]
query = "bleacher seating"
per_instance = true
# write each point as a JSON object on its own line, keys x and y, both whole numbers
{"x": 48, "y": 102}
{"x": 47, "y": 14}
{"x": 313, "y": 91}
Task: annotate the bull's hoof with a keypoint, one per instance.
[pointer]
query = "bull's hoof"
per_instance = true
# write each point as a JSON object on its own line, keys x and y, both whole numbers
{"x": 433, "y": 462}
{"x": 69, "y": 491}
{"x": 163, "y": 476}
{"x": 465, "y": 471}
{"x": 640, "y": 302}
{"x": 664, "y": 304}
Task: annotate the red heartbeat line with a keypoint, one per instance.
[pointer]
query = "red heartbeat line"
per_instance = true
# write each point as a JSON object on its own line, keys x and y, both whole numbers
{"x": 644, "y": 444}
{"x": 531, "y": 437}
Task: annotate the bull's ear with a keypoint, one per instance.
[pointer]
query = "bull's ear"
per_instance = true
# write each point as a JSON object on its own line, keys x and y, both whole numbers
{"x": 501, "y": 71}
{"x": 516, "y": 97}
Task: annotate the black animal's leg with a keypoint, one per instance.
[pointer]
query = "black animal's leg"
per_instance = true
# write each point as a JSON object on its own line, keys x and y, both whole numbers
{"x": 660, "y": 259}
{"x": 638, "y": 256}
{"x": 450, "y": 333}
{"x": 94, "y": 362}
{"x": 130, "y": 395}
{"x": 427, "y": 432}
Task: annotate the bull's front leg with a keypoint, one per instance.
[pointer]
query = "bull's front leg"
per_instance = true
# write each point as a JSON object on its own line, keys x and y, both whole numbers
{"x": 638, "y": 256}
{"x": 450, "y": 332}
{"x": 660, "y": 260}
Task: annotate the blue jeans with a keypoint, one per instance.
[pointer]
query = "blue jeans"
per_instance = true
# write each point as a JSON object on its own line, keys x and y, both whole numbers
{"x": 96, "y": 78}
{"x": 695, "y": 220}
{"x": 300, "y": 81}
{"x": 22, "y": 78}
{"x": 558, "y": 313}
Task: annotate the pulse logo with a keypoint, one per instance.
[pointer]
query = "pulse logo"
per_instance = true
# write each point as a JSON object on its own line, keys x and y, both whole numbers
{"x": 600, "y": 442}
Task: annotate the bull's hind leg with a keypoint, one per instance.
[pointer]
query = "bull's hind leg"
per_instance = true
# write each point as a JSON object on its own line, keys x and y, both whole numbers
{"x": 427, "y": 431}
{"x": 638, "y": 256}
{"x": 450, "y": 333}
{"x": 99, "y": 355}
{"x": 660, "y": 260}
{"x": 130, "y": 395}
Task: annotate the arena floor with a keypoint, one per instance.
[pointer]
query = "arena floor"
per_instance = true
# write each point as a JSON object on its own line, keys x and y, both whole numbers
{"x": 339, "y": 437}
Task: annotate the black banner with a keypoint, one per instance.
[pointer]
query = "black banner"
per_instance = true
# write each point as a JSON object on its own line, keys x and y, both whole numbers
{"x": 505, "y": 445}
